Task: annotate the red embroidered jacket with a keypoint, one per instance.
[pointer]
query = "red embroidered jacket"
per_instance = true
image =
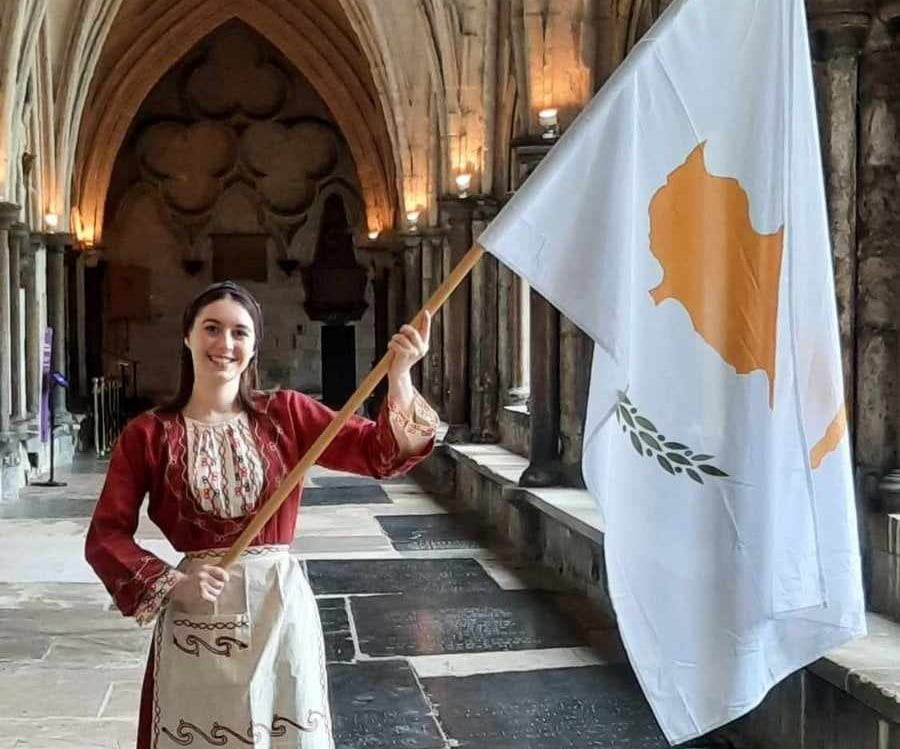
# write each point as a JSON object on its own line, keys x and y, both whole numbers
{"x": 149, "y": 458}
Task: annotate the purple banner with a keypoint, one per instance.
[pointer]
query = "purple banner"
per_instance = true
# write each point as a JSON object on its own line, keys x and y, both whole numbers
{"x": 45, "y": 384}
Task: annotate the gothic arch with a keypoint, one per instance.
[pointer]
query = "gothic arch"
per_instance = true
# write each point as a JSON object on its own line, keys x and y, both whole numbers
{"x": 322, "y": 57}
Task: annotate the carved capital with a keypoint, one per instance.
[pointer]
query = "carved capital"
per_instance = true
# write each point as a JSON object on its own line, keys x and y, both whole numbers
{"x": 838, "y": 27}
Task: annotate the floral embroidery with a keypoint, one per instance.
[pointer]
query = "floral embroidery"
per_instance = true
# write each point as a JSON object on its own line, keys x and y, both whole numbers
{"x": 156, "y": 593}
{"x": 420, "y": 421}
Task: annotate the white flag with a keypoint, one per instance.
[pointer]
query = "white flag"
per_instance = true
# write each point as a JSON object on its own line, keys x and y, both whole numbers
{"x": 681, "y": 223}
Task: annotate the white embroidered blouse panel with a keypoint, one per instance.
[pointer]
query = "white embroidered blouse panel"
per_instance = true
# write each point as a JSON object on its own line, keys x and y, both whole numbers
{"x": 225, "y": 470}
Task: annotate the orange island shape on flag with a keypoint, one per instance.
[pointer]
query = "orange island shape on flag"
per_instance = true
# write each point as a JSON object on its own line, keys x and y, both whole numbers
{"x": 724, "y": 273}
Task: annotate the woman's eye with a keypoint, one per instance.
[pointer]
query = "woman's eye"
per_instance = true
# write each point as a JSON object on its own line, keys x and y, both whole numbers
{"x": 211, "y": 329}
{"x": 240, "y": 334}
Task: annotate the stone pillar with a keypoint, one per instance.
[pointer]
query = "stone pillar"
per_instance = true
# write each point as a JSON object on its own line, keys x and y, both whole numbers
{"x": 575, "y": 350}
{"x": 544, "y": 467}
{"x": 432, "y": 365}
{"x": 483, "y": 340}
{"x": 878, "y": 283}
{"x": 456, "y": 216}
{"x": 78, "y": 325}
{"x": 9, "y": 212}
{"x": 56, "y": 315}
{"x": 412, "y": 287}
{"x": 396, "y": 294}
{"x": 838, "y": 31}
{"x": 34, "y": 322}
{"x": 18, "y": 241}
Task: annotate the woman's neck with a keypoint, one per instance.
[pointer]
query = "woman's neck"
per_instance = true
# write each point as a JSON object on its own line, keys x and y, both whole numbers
{"x": 213, "y": 402}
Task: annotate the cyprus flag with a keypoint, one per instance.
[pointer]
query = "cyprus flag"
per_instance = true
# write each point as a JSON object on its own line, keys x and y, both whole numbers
{"x": 681, "y": 223}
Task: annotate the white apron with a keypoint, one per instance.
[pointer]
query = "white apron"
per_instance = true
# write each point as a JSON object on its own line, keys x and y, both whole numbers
{"x": 248, "y": 670}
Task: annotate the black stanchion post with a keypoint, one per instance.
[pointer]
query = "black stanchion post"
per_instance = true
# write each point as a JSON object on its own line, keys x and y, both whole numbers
{"x": 56, "y": 380}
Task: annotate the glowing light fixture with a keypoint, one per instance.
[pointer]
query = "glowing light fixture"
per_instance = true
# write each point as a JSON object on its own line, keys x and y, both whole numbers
{"x": 463, "y": 182}
{"x": 549, "y": 120}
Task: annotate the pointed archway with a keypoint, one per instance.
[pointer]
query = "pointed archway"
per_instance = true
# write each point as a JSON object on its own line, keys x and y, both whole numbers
{"x": 139, "y": 50}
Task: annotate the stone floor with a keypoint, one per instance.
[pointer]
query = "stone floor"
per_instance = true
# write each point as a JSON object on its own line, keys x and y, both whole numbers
{"x": 435, "y": 638}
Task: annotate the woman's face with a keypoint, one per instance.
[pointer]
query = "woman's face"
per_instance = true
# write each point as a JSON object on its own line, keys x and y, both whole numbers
{"x": 222, "y": 341}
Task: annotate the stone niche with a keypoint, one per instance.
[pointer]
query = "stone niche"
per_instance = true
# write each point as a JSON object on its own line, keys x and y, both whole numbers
{"x": 234, "y": 168}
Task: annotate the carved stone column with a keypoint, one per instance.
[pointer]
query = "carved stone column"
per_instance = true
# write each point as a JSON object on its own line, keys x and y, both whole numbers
{"x": 18, "y": 241}
{"x": 33, "y": 272}
{"x": 838, "y": 31}
{"x": 433, "y": 363}
{"x": 56, "y": 316}
{"x": 412, "y": 287}
{"x": 9, "y": 212}
{"x": 544, "y": 467}
{"x": 575, "y": 350}
{"x": 78, "y": 323}
{"x": 483, "y": 340}
{"x": 878, "y": 283}
{"x": 456, "y": 217}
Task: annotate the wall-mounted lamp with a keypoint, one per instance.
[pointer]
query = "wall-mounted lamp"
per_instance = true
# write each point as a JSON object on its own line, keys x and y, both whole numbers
{"x": 549, "y": 120}
{"x": 463, "y": 182}
{"x": 373, "y": 235}
{"x": 51, "y": 220}
{"x": 412, "y": 218}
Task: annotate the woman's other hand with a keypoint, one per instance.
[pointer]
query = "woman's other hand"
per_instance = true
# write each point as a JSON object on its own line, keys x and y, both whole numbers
{"x": 409, "y": 345}
{"x": 206, "y": 584}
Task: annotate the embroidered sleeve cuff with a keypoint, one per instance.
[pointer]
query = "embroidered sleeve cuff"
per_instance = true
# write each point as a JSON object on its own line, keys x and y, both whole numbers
{"x": 420, "y": 421}
{"x": 156, "y": 593}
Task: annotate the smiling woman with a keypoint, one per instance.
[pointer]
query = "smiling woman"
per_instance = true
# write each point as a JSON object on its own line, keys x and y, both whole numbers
{"x": 209, "y": 458}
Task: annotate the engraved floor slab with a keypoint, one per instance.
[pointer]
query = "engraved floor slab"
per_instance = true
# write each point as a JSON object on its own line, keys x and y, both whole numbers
{"x": 399, "y": 576}
{"x": 342, "y": 480}
{"x": 451, "y": 531}
{"x": 352, "y": 494}
{"x": 336, "y": 629}
{"x": 595, "y": 706}
{"x": 460, "y": 623}
{"x": 380, "y": 706}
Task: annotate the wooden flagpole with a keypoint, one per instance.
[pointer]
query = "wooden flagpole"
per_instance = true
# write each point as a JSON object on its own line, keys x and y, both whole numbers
{"x": 441, "y": 294}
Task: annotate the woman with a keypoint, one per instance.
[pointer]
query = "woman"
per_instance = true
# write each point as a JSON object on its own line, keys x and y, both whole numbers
{"x": 238, "y": 655}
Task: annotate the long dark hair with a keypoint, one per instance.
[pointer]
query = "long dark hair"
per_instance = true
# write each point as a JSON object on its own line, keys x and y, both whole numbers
{"x": 249, "y": 377}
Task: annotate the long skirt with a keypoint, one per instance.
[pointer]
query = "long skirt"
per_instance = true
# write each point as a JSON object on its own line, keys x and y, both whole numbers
{"x": 248, "y": 670}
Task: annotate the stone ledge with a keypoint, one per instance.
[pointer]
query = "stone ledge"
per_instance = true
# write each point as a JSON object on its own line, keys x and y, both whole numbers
{"x": 867, "y": 669}
{"x": 572, "y": 508}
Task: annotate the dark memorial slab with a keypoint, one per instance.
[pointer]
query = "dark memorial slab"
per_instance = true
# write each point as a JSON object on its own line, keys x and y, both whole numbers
{"x": 336, "y": 629}
{"x": 329, "y": 577}
{"x": 332, "y": 481}
{"x": 380, "y": 706}
{"x": 460, "y": 623}
{"x": 314, "y": 496}
{"x": 594, "y": 706}
{"x": 434, "y": 532}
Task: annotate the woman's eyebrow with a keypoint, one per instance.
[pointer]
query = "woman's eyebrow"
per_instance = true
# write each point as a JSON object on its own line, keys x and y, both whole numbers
{"x": 239, "y": 326}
